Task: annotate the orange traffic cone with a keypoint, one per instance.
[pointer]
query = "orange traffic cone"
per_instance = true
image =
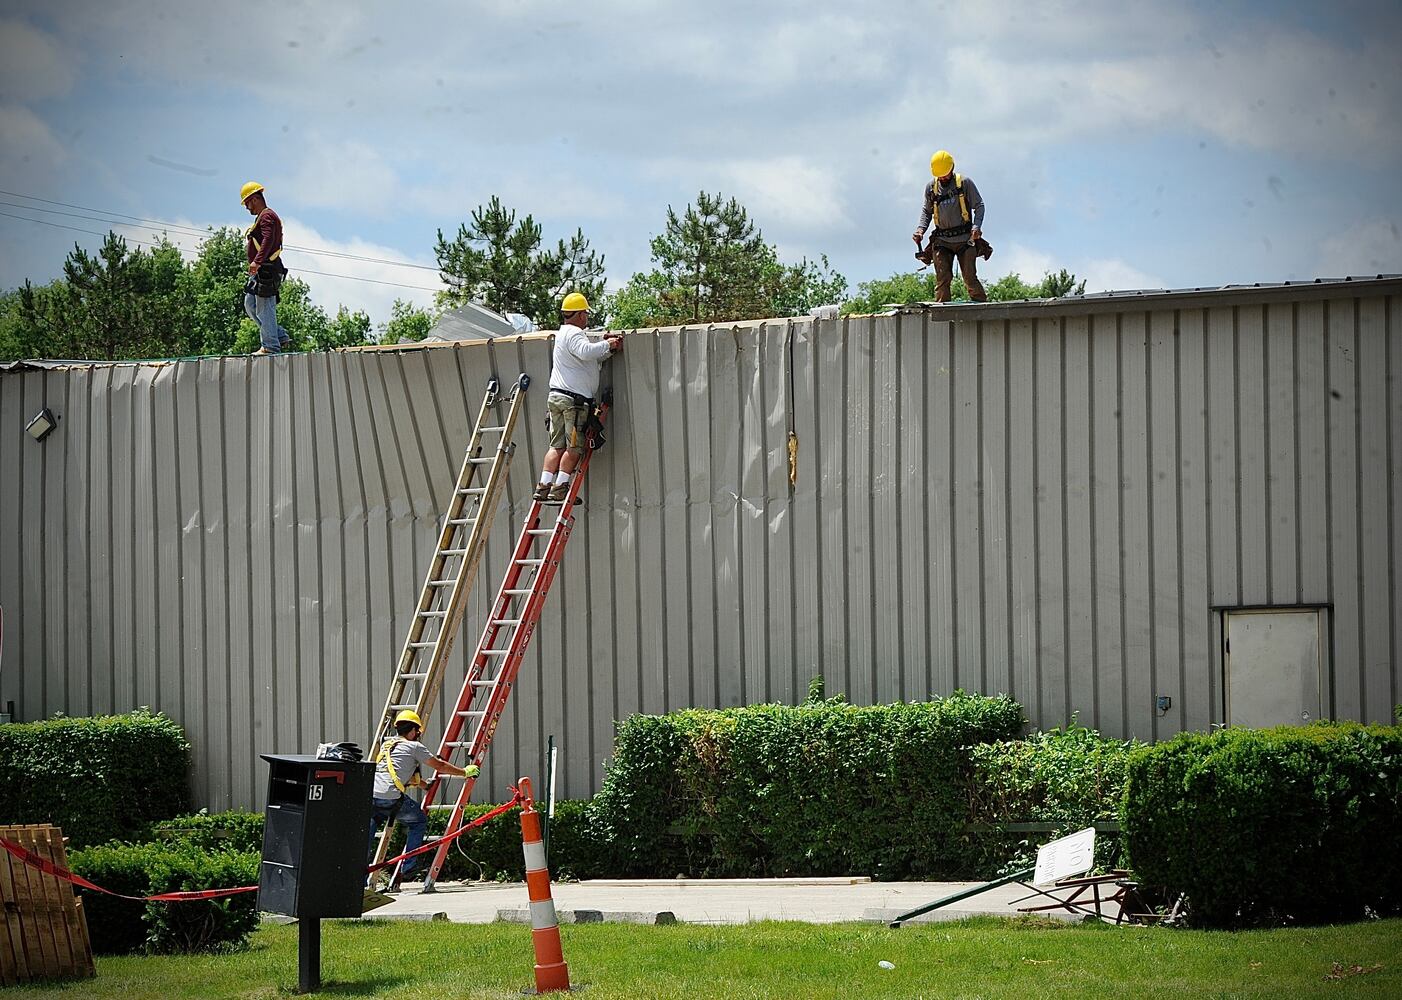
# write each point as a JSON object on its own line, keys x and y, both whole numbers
{"x": 551, "y": 972}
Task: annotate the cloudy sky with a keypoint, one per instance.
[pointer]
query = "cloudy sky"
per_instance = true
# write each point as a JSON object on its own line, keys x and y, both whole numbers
{"x": 1140, "y": 144}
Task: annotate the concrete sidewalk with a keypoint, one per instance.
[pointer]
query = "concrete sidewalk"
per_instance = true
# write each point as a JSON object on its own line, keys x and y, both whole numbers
{"x": 705, "y": 901}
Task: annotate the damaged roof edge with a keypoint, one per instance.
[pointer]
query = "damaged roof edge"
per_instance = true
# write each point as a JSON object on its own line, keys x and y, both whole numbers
{"x": 1096, "y": 302}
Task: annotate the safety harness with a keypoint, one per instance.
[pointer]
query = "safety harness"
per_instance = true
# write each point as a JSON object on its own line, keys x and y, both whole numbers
{"x": 963, "y": 208}
{"x": 268, "y": 281}
{"x": 415, "y": 779}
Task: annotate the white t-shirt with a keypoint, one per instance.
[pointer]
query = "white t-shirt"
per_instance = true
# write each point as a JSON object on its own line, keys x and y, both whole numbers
{"x": 577, "y": 360}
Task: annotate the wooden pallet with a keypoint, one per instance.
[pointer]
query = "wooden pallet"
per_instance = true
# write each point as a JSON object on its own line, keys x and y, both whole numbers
{"x": 43, "y": 932}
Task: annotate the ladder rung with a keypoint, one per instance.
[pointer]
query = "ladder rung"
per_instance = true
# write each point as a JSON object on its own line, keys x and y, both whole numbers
{"x": 518, "y": 590}
{"x": 484, "y": 684}
{"x": 461, "y": 520}
{"x": 452, "y": 552}
{"x": 412, "y": 677}
{"x": 507, "y": 621}
{"x": 472, "y": 712}
{"x": 432, "y": 614}
{"x": 455, "y": 743}
{"x": 408, "y": 705}
{"x": 483, "y": 430}
{"x": 495, "y": 652}
{"x": 540, "y": 531}
{"x": 473, "y": 489}
{"x": 441, "y": 583}
{"x": 423, "y": 645}
{"x": 483, "y": 461}
{"x": 529, "y": 562}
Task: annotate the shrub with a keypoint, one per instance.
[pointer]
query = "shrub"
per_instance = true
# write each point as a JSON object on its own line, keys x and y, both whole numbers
{"x": 121, "y": 926}
{"x": 1071, "y": 777}
{"x": 820, "y": 788}
{"x": 1271, "y": 826}
{"x": 234, "y": 830}
{"x": 97, "y": 779}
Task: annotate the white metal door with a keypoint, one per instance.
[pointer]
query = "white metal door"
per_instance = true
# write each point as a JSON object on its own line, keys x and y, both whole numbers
{"x": 1274, "y": 666}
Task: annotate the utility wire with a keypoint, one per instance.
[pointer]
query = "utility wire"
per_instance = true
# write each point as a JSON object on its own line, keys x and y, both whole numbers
{"x": 195, "y": 253}
{"x": 156, "y": 225}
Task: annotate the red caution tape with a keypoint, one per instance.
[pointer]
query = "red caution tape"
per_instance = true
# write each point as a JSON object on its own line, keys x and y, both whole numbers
{"x": 49, "y": 868}
{"x": 493, "y": 814}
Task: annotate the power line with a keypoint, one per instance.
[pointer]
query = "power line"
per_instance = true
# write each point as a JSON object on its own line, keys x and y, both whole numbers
{"x": 157, "y": 225}
{"x": 195, "y": 253}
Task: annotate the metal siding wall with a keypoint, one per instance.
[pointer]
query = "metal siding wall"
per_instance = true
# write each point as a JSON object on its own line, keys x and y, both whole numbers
{"x": 1049, "y": 506}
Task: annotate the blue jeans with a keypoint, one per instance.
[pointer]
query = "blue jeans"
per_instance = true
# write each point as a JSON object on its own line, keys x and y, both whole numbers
{"x": 411, "y": 814}
{"x": 263, "y": 311}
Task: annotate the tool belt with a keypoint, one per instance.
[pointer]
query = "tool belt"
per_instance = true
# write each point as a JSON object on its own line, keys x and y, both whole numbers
{"x": 585, "y": 401}
{"x": 268, "y": 281}
{"x": 981, "y": 246}
{"x": 960, "y": 230}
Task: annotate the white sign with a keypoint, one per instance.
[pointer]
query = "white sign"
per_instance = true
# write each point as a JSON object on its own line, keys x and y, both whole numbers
{"x": 1072, "y": 855}
{"x": 314, "y": 793}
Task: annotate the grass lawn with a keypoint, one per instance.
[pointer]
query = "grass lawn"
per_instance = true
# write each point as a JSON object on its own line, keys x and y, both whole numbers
{"x": 982, "y": 958}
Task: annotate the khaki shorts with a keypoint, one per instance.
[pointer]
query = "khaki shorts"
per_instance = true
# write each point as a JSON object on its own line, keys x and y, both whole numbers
{"x": 567, "y": 420}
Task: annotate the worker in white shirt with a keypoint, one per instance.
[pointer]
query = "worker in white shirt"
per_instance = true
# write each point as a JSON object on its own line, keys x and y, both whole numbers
{"x": 574, "y": 381}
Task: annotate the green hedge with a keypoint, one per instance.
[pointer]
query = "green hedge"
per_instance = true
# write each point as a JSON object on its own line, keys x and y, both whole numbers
{"x": 120, "y": 926}
{"x": 234, "y": 830}
{"x": 98, "y": 779}
{"x": 1297, "y": 824}
{"x": 821, "y": 788}
{"x": 1069, "y": 777}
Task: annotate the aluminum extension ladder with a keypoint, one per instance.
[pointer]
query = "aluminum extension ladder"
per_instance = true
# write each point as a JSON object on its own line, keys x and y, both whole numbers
{"x": 508, "y": 630}
{"x": 461, "y": 542}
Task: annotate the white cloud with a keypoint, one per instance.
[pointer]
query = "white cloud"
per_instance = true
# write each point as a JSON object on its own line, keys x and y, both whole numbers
{"x": 348, "y": 286}
{"x": 789, "y": 190}
{"x": 33, "y": 64}
{"x": 1112, "y": 274}
{"x": 1100, "y": 273}
{"x": 1373, "y": 247}
{"x": 345, "y": 174}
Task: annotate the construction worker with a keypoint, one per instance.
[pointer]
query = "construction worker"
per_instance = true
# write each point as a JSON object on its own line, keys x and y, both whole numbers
{"x": 399, "y": 768}
{"x": 574, "y": 379}
{"x": 954, "y": 204}
{"x": 265, "y": 269}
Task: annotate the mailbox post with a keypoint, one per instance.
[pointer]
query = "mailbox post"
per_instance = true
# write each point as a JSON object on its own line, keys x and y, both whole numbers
{"x": 315, "y": 830}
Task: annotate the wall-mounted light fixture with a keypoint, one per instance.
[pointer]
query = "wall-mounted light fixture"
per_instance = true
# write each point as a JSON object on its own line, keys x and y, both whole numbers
{"x": 42, "y": 425}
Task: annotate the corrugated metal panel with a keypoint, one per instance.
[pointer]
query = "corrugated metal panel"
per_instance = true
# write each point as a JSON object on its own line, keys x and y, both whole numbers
{"x": 1043, "y": 499}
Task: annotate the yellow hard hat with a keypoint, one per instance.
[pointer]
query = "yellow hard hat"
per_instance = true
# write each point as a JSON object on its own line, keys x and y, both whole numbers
{"x": 942, "y": 163}
{"x": 409, "y": 715}
{"x": 251, "y": 188}
{"x": 574, "y": 302}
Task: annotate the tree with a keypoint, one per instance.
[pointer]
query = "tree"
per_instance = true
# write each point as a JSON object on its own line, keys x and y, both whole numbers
{"x": 407, "y": 323}
{"x": 713, "y": 266}
{"x": 116, "y": 304}
{"x": 213, "y": 283}
{"x": 714, "y": 262}
{"x": 498, "y": 261}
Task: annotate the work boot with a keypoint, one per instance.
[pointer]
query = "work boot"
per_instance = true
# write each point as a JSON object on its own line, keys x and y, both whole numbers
{"x": 262, "y": 350}
{"x": 559, "y": 492}
{"x": 542, "y": 492}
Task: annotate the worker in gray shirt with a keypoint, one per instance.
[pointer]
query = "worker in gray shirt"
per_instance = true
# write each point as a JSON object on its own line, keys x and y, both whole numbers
{"x": 399, "y": 768}
{"x": 953, "y": 203}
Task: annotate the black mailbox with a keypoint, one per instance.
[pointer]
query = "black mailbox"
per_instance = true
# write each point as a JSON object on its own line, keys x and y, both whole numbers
{"x": 314, "y": 835}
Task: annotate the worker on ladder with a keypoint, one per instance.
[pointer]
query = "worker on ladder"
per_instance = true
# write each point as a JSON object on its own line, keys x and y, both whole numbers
{"x": 574, "y": 381}
{"x": 953, "y": 203}
{"x": 399, "y": 768}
